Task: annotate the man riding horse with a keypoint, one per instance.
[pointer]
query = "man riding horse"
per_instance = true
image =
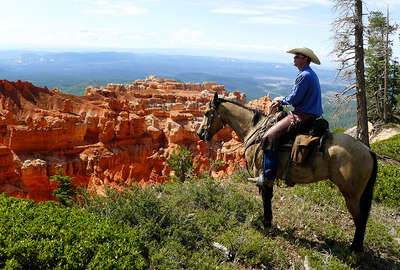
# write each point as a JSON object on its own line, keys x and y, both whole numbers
{"x": 305, "y": 97}
{"x": 347, "y": 162}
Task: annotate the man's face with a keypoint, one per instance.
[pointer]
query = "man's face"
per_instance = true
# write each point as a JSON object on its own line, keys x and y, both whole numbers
{"x": 300, "y": 60}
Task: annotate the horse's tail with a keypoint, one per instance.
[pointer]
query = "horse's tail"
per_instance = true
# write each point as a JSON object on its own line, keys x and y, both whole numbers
{"x": 366, "y": 197}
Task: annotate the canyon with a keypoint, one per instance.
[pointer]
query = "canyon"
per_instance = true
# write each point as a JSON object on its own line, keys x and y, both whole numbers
{"x": 118, "y": 135}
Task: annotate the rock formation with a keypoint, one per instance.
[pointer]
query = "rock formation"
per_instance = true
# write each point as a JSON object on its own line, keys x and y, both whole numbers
{"x": 118, "y": 135}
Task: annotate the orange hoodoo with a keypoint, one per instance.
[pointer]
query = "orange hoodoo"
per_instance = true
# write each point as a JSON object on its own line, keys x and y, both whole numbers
{"x": 117, "y": 135}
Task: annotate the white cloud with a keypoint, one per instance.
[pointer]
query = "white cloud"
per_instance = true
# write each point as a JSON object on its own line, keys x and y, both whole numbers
{"x": 237, "y": 11}
{"x": 279, "y": 7}
{"x": 186, "y": 37}
{"x": 134, "y": 37}
{"x": 191, "y": 38}
{"x": 268, "y": 6}
{"x": 327, "y": 3}
{"x": 88, "y": 35}
{"x": 382, "y": 4}
{"x": 271, "y": 12}
{"x": 117, "y": 8}
{"x": 128, "y": 9}
{"x": 279, "y": 19}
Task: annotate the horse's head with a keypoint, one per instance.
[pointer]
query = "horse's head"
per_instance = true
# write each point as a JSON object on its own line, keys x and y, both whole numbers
{"x": 212, "y": 121}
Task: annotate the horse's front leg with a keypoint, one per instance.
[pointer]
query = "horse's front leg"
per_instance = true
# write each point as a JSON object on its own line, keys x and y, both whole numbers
{"x": 267, "y": 193}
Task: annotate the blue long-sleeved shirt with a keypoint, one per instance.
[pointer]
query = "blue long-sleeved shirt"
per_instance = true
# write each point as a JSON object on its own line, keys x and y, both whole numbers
{"x": 306, "y": 93}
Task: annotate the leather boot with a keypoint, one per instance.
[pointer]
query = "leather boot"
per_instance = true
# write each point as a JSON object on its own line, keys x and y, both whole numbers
{"x": 268, "y": 175}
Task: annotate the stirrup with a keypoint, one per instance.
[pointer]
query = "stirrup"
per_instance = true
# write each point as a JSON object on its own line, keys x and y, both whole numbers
{"x": 253, "y": 179}
{"x": 264, "y": 181}
{"x": 260, "y": 179}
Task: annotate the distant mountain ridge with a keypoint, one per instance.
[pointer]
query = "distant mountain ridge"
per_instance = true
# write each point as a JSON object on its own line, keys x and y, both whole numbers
{"x": 70, "y": 70}
{"x": 73, "y": 72}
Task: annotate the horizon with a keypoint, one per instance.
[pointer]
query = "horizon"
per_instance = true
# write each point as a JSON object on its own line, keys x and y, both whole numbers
{"x": 247, "y": 30}
{"x": 214, "y": 54}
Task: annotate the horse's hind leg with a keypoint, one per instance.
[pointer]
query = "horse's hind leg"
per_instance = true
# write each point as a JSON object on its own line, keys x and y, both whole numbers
{"x": 360, "y": 208}
{"x": 267, "y": 194}
{"x": 353, "y": 205}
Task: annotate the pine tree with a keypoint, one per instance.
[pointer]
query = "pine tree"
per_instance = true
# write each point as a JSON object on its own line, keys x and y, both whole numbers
{"x": 65, "y": 191}
{"x": 381, "y": 70}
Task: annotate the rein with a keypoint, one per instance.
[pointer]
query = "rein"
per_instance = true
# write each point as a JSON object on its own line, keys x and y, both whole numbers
{"x": 250, "y": 140}
{"x": 211, "y": 120}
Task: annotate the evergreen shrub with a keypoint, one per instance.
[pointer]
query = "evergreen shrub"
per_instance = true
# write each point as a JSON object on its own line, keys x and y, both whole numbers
{"x": 387, "y": 187}
{"x": 389, "y": 147}
{"x": 47, "y": 236}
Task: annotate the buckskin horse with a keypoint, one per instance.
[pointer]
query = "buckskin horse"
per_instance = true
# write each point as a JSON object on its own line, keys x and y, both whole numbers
{"x": 348, "y": 163}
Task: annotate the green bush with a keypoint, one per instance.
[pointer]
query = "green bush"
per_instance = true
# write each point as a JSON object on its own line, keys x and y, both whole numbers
{"x": 338, "y": 130}
{"x": 179, "y": 223}
{"x": 387, "y": 187}
{"x": 47, "y": 236}
{"x": 181, "y": 162}
{"x": 65, "y": 191}
{"x": 389, "y": 147}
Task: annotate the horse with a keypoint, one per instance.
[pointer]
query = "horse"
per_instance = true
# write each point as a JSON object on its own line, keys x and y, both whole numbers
{"x": 347, "y": 162}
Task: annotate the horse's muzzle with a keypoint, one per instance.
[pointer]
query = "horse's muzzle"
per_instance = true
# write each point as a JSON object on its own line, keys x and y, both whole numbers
{"x": 200, "y": 133}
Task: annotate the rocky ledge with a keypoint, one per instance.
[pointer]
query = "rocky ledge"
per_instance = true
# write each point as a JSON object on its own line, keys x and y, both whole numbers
{"x": 118, "y": 135}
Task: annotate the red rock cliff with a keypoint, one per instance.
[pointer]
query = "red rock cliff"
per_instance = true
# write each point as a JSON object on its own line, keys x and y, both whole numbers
{"x": 117, "y": 135}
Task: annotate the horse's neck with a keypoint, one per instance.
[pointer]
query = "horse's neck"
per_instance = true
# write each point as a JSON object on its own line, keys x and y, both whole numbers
{"x": 237, "y": 117}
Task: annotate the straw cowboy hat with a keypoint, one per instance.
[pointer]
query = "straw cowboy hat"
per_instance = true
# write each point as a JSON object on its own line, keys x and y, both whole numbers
{"x": 307, "y": 52}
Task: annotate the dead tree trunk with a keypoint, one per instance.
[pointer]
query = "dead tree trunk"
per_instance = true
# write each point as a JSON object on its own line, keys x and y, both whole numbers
{"x": 362, "y": 120}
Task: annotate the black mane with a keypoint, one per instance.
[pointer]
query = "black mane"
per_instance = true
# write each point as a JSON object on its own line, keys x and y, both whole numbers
{"x": 256, "y": 113}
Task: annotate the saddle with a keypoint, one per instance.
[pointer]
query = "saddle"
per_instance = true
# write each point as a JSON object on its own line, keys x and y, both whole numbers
{"x": 300, "y": 142}
{"x": 304, "y": 141}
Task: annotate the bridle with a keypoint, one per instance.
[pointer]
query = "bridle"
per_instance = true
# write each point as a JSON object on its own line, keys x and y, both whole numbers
{"x": 210, "y": 119}
{"x": 213, "y": 109}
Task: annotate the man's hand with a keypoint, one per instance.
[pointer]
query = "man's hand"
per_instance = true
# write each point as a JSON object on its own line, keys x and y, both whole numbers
{"x": 275, "y": 103}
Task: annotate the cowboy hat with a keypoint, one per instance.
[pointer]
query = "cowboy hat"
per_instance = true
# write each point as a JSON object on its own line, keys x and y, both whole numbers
{"x": 307, "y": 52}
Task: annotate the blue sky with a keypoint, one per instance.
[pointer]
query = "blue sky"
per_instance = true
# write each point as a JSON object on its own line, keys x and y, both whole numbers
{"x": 254, "y": 29}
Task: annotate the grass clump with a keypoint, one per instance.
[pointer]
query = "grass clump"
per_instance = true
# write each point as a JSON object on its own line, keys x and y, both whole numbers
{"x": 387, "y": 187}
{"x": 323, "y": 193}
{"x": 323, "y": 260}
{"x": 339, "y": 130}
{"x": 47, "y": 236}
{"x": 389, "y": 147}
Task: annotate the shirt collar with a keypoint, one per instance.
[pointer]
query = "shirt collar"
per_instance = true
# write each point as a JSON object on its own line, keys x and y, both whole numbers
{"x": 305, "y": 68}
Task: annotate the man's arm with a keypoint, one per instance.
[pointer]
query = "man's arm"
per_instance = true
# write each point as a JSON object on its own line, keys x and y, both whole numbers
{"x": 298, "y": 91}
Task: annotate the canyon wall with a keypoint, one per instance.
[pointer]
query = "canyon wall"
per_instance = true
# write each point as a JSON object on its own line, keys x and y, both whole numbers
{"x": 118, "y": 135}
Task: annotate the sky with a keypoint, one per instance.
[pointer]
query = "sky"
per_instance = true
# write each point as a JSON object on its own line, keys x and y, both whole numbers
{"x": 253, "y": 29}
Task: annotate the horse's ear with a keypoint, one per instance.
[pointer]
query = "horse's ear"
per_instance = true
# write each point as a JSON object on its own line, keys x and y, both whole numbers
{"x": 215, "y": 99}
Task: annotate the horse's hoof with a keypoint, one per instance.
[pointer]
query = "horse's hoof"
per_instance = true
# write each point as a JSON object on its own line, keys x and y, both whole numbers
{"x": 267, "y": 224}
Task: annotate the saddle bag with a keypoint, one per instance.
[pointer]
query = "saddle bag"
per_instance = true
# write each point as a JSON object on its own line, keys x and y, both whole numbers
{"x": 302, "y": 147}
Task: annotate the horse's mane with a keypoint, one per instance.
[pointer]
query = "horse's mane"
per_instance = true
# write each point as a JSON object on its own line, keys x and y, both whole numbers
{"x": 256, "y": 113}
